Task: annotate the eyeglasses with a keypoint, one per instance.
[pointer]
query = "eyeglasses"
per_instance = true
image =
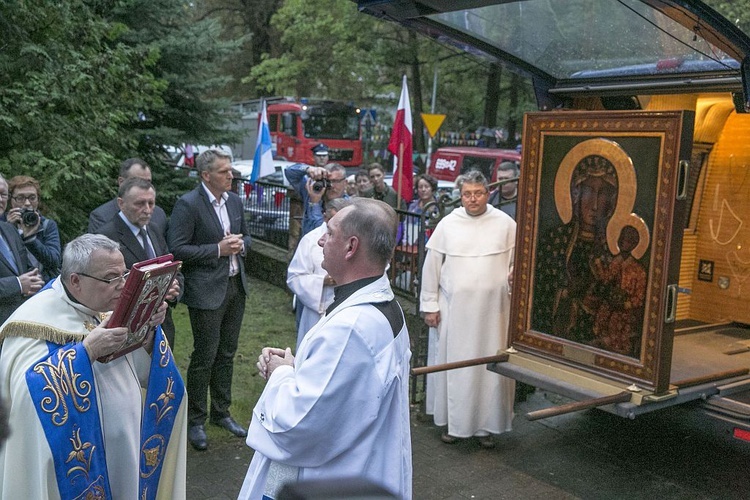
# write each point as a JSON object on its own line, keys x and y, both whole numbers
{"x": 108, "y": 281}
{"x": 21, "y": 198}
{"x": 475, "y": 195}
{"x": 336, "y": 181}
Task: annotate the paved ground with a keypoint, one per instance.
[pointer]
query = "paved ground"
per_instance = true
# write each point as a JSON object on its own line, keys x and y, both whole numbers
{"x": 669, "y": 455}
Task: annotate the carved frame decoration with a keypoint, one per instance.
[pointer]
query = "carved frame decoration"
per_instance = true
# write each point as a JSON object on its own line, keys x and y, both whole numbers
{"x": 588, "y": 290}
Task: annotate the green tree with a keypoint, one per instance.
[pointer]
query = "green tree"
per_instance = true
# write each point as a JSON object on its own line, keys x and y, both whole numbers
{"x": 86, "y": 84}
{"x": 68, "y": 91}
{"x": 328, "y": 49}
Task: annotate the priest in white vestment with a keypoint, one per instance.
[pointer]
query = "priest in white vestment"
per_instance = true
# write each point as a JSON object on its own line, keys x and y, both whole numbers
{"x": 307, "y": 279}
{"x": 79, "y": 427}
{"x": 465, "y": 300}
{"x": 339, "y": 409}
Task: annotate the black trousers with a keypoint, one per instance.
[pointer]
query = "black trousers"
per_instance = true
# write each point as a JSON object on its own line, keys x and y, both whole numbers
{"x": 215, "y": 336}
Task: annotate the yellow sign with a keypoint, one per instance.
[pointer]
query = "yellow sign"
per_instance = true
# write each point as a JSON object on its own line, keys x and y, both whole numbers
{"x": 432, "y": 122}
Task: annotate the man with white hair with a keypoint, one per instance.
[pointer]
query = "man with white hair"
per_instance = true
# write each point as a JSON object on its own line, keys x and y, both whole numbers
{"x": 81, "y": 428}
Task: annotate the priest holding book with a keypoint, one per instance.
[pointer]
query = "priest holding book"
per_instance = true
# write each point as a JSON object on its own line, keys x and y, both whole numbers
{"x": 81, "y": 428}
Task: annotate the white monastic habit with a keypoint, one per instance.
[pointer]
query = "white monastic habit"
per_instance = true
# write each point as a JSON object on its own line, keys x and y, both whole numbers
{"x": 27, "y": 469}
{"x": 343, "y": 410}
{"x": 305, "y": 278}
{"x": 465, "y": 278}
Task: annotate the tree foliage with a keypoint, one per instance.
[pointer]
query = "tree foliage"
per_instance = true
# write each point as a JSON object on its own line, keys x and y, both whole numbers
{"x": 86, "y": 84}
{"x": 328, "y": 49}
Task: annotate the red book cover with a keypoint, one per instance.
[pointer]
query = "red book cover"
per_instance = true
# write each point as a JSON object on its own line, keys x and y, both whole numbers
{"x": 144, "y": 290}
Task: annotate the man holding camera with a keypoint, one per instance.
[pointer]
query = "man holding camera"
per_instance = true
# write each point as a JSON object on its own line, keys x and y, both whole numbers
{"x": 316, "y": 185}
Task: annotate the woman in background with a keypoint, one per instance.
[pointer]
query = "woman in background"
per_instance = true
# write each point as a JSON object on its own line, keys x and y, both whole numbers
{"x": 40, "y": 234}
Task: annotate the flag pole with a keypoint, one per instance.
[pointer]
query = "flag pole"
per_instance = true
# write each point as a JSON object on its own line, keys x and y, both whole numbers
{"x": 400, "y": 173}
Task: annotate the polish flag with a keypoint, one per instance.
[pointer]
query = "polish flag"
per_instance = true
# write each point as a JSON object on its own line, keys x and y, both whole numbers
{"x": 400, "y": 145}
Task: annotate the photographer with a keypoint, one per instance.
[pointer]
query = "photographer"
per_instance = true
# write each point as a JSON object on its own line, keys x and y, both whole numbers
{"x": 40, "y": 234}
{"x": 316, "y": 185}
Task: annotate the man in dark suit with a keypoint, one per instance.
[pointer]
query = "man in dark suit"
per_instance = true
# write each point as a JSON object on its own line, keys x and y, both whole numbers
{"x": 18, "y": 280}
{"x": 139, "y": 238}
{"x": 208, "y": 234}
{"x": 132, "y": 167}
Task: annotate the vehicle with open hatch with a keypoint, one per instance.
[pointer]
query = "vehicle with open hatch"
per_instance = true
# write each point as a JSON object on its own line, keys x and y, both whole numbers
{"x": 630, "y": 286}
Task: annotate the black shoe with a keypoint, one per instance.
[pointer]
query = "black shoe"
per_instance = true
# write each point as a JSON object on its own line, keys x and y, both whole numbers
{"x": 229, "y": 424}
{"x": 197, "y": 437}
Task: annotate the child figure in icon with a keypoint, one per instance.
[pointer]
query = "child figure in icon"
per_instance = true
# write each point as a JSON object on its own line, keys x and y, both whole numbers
{"x": 622, "y": 287}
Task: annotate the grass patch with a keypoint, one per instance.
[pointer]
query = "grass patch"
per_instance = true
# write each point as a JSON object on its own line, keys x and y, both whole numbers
{"x": 268, "y": 321}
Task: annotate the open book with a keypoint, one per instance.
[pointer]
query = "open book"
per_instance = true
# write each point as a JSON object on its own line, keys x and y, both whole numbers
{"x": 144, "y": 290}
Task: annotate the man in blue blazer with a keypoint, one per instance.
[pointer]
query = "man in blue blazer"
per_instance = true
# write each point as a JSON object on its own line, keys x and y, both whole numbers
{"x": 136, "y": 200}
{"x": 207, "y": 232}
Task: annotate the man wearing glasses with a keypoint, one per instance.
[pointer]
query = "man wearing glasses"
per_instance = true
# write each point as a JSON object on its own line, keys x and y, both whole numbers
{"x": 465, "y": 300}
{"x": 316, "y": 185}
{"x": 81, "y": 428}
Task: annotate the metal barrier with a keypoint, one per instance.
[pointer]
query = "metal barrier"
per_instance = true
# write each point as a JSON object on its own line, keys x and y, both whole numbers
{"x": 266, "y": 206}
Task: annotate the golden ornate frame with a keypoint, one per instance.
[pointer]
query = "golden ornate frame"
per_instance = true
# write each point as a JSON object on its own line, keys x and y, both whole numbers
{"x": 645, "y": 149}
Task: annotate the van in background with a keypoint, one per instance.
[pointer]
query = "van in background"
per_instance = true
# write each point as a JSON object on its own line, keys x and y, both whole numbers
{"x": 448, "y": 163}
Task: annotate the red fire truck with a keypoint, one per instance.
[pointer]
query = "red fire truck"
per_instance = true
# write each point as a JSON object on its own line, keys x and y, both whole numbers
{"x": 297, "y": 126}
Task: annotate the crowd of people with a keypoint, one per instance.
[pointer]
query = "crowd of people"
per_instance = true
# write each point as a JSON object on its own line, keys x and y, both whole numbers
{"x": 352, "y": 340}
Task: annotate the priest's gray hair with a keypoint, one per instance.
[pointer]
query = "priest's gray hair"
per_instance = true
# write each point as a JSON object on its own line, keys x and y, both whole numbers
{"x": 77, "y": 253}
{"x": 471, "y": 177}
{"x": 375, "y": 224}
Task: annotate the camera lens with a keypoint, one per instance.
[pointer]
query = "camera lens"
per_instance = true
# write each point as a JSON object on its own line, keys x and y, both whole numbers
{"x": 29, "y": 217}
{"x": 320, "y": 185}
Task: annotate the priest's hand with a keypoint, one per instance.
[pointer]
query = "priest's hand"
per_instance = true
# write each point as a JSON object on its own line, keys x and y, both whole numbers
{"x": 157, "y": 318}
{"x": 102, "y": 341}
{"x": 432, "y": 319}
{"x": 174, "y": 291}
{"x": 271, "y": 358}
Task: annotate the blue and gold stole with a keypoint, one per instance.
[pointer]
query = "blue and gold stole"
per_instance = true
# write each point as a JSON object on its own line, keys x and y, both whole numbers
{"x": 62, "y": 388}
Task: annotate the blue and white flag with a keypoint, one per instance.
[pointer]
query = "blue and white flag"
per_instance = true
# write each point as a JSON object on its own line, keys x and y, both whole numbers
{"x": 263, "y": 159}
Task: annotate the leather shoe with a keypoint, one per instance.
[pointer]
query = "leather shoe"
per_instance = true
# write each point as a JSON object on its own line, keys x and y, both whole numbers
{"x": 229, "y": 424}
{"x": 197, "y": 437}
{"x": 448, "y": 439}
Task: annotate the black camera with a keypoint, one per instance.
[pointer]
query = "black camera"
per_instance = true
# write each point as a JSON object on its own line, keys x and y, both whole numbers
{"x": 320, "y": 185}
{"x": 29, "y": 217}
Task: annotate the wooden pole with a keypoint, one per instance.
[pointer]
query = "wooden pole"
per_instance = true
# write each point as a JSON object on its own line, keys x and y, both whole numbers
{"x": 621, "y": 397}
{"x": 498, "y": 358}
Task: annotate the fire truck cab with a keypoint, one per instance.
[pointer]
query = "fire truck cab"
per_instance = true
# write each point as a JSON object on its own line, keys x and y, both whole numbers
{"x": 296, "y": 127}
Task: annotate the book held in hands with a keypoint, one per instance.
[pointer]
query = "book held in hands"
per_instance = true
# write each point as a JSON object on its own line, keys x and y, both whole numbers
{"x": 144, "y": 291}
